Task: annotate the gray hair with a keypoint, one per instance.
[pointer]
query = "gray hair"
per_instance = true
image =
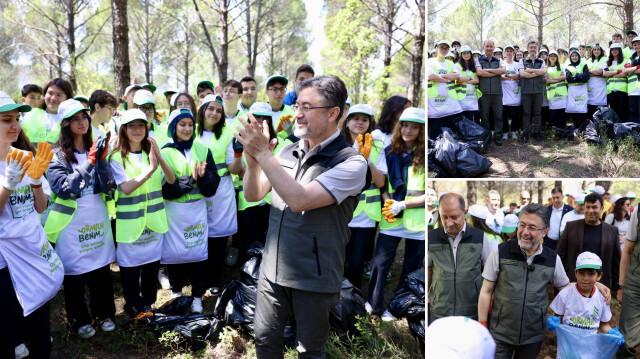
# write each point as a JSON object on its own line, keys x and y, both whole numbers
{"x": 538, "y": 209}
{"x": 330, "y": 88}
{"x": 487, "y": 40}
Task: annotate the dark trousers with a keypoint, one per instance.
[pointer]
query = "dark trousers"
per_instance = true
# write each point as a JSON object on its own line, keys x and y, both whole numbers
{"x": 435, "y": 125}
{"x": 619, "y": 102}
{"x": 472, "y": 115}
{"x": 531, "y": 112}
{"x": 558, "y": 118}
{"x": 491, "y": 106}
{"x": 545, "y": 116}
{"x": 217, "y": 248}
{"x": 591, "y": 109}
{"x": 513, "y": 113}
{"x": 100, "y": 297}
{"x": 140, "y": 279}
{"x": 36, "y": 328}
{"x": 508, "y": 351}
{"x": 634, "y": 109}
{"x": 360, "y": 240}
{"x": 276, "y": 304}
{"x": 579, "y": 119}
{"x": 381, "y": 262}
{"x": 253, "y": 223}
{"x": 198, "y": 273}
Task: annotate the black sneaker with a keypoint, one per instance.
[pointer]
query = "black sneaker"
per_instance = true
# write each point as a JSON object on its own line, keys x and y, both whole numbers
{"x": 537, "y": 136}
{"x": 525, "y": 137}
{"x": 498, "y": 141}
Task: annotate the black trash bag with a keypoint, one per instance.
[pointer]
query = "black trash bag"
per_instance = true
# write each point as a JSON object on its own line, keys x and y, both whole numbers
{"x": 256, "y": 249}
{"x": 176, "y": 306}
{"x": 342, "y": 318}
{"x": 408, "y": 300}
{"x": 624, "y": 129}
{"x": 470, "y": 163}
{"x": 471, "y": 132}
{"x": 416, "y": 327}
{"x": 237, "y": 305}
{"x": 565, "y": 133}
{"x": 606, "y": 114}
{"x": 445, "y": 156}
{"x": 477, "y": 146}
{"x": 591, "y": 132}
{"x": 251, "y": 271}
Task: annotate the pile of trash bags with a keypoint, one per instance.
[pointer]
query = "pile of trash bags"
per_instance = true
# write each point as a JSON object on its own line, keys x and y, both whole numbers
{"x": 457, "y": 152}
{"x": 408, "y": 302}
{"x": 604, "y": 121}
{"x": 236, "y": 307}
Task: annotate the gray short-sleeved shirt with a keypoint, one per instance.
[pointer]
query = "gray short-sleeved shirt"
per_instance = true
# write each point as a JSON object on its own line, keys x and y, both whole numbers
{"x": 632, "y": 230}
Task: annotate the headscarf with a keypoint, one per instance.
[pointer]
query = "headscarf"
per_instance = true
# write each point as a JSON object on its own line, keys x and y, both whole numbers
{"x": 175, "y": 117}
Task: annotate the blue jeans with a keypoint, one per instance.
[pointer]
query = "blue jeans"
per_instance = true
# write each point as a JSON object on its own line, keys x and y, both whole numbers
{"x": 381, "y": 262}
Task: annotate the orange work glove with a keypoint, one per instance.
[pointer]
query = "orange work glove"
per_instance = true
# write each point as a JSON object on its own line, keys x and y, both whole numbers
{"x": 18, "y": 162}
{"x": 285, "y": 123}
{"x": 366, "y": 149}
{"x": 360, "y": 143}
{"x": 41, "y": 161}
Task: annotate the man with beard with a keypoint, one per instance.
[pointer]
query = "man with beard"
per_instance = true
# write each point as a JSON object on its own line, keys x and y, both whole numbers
{"x": 516, "y": 274}
{"x": 591, "y": 234}
{"x": 457, "y": 253}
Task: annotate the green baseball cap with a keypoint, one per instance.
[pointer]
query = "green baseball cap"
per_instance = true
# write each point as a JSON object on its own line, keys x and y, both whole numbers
{"x": 81, "y": 98}
{"x": 206, "y": 83}
{"x": 7, "y": 104}
{"x": 277, "y": 77}
{"x": 149, "y": 86}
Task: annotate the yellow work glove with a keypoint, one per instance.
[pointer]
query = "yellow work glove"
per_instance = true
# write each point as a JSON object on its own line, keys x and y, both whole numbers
{"x": 386, "y": 211}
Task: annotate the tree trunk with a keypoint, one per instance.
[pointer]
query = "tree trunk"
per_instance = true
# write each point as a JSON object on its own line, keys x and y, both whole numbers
{"x": 147, "y": 50}
{"x": 256, "y": 33}
{"x": 415, "y": 88}
{"x": 224, "y": 45}
{"x": 540, "y": 19}
{"x": 186, "y": 60}
{"x": 388, "y": 35}
{"x": 249, "y": 43}
{"x": 59, "y": 58}
{"x": 472, "y": 194}
{"x": 207, "y": 35}
{"x": 541, "y": 193}
{"x": 120, "y": 38}
{"x": 557, "y": 184}
{"x": 628, "y": 11}
{"x": 71, "y": 43}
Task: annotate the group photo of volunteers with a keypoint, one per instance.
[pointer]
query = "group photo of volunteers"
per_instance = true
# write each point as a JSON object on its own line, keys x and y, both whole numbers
{"x": 532, "y": 269}
{"x": 112, "y": 200}
{"x": 520, "y": 101}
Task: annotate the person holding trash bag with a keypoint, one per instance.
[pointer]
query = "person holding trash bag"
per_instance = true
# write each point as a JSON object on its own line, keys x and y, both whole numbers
{"x": 357, "y": 132}
{"x": 184, "y": 247}
{"x": 577, "y": 77}
{"x": 79, "y": 223}
{"x": 403, "y": 212}
{"x": 316, "y": 185}
{"x": 217, "y": 135}
{"x": 30, "y": 270}
{"x": 141, "y": 220}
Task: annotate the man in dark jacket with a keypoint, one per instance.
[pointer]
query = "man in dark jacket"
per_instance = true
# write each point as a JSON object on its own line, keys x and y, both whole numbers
{"x": 556, "y": 212}
{"x": 489, "y": 68}
{"x": 532, "y": 74}
{"x": 591, "y": 235}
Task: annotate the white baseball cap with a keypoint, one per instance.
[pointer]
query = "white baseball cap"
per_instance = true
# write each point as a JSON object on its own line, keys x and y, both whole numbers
{"x": 143, "y": 97}
{"x": 133, "y": 115}
{"x": 348, "y": 101}
{"x": 361, "y": 108}
{"x": 579, "y": 197}
{"x": 479, "y": 211}
{"x": 588, "y": 260}
{"x": 465, "y": 48}
{"x": 631, "y": 194}
{"x": 69, "y": 108}
{"x": 7, "y": 104}
{"x": 510, "y": 223}
{"x": 443, "y": 339}
{"x": 131, "y": 87}
{"x": 443, "y": 42}
{"x": 450, "y": 54}
{"x": 637, "y": 38}
{"x": 615, "y": 45}
{"x": 615, "y": 198}
{"x": 598, "y": 189}
{"x": 261, "y": 109}
{"x": 171, "y": 90}
{"x": 412, "y": 114}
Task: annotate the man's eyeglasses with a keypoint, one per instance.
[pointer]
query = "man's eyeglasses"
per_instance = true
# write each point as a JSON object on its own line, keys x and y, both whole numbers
{"x": 307, "y": 108}
{"x": 530, "y": 228}
{"x": 111, "y": 109}
{"x": 277, "y": 89}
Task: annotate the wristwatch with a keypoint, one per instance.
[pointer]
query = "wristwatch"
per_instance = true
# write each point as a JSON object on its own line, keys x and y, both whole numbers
{"x": 621, "y": 286}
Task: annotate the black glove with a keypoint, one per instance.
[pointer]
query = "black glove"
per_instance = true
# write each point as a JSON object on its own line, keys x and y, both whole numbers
{"x": 102, "y": 145}
{"x": 237, "y": 146}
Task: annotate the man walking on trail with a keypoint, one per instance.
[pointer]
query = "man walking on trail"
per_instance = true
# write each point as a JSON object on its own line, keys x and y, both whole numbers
{"x": 316, "y": 186}
{"x": 489, "y": 68}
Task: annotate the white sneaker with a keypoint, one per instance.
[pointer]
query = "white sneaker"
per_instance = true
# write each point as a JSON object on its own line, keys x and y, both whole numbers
{"x": 368, "y": 307}
{"x": 196, "y": 306}
{"x": 107, "y": 325}
{"x": 514, "y": 135}
{"x": 176, "y": 294}
{"x": 163, "y": 279}
{"x": 387, "y": 317}
{"x": 505, "y": 136}
{"x": 86, "y": 331}
{"x": 21, "y": 351}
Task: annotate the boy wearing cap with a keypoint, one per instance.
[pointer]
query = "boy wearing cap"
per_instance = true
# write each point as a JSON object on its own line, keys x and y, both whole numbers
{"x": 442, "y": 98}
{"x": 489, "y": 69}
{"x": 203, "y": 89}
{"x": 84, "y": 100}
{"x": 628, "y": 51}
{"x": 127, "y": 98}
{"x": 582, "y": 306}
{"x": 276, "y": 87}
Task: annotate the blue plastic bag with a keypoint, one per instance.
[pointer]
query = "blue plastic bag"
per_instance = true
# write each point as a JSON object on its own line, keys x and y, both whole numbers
{"x": 574, "y": 343}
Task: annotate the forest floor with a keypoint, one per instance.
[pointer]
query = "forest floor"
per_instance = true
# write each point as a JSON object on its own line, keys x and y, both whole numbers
{"x": 379, "y": 339}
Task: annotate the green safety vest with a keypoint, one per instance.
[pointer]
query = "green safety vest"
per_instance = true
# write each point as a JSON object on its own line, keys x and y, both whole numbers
{"x": 161, "y": 134}
{"x": 574, "y": 71}
{"x": 413, "y": 218}
{"x": 627, "y": 52}
{"x": 558, "y": 88}
{"x": 632, "y": 81}
{"x": 181, "y": 167}
{"x": 493, "y": 237}
{"x": 143, "y": 207}
{"x": 619, "y": 83}
{"x": 287, "y": 110}
{"x": 432, "y": 86}
{"x": 62, "y": 212}
{"x": 370, "y": 198}
{"x": 461, "y": 89}
{"x": 242, "y": 202}
{"x": 35, "y": 127}
{"x": 218, "y": 149}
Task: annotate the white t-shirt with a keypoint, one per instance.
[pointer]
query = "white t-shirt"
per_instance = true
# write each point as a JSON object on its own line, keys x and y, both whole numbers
{"x": 362, "y": 220}
{"x": 511, "y": 88}
{"x": 495, "y": 221}
{"x": 86, "y": 243}
{"x": 569, "y": 217}
{"x": 147, "y": 248}
{"x": 581, "y": 312}
{"x": 18, "y": 217}
{"x": 51, "y": 120}
{"x": 378, "y": 135}
{"x": 443, "y": 104}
